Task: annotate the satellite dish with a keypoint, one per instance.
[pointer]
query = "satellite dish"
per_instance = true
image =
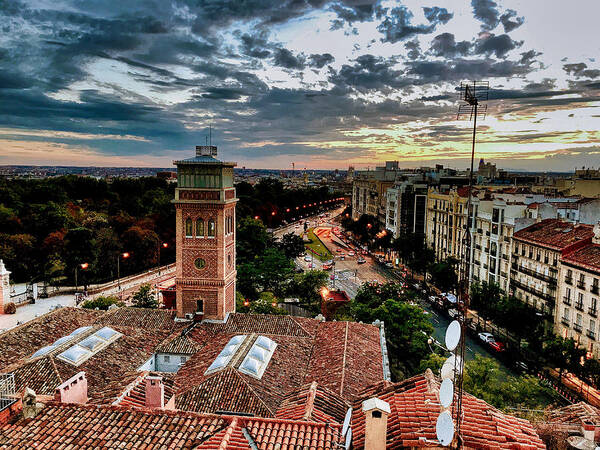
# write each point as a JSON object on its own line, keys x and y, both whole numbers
{"x": 346, "y": 425}
{"x": 453, "y": 335}
{"x": 446, "y": 392}
{"x": 348, "y": 441}
{"x": 444, "y": 428}
{"x": 451, "y": 367}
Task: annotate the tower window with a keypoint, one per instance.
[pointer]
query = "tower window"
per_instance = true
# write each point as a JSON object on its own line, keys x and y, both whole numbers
{"x": 199, "y": 228}
{"x": 200, "y": 306}
{"x": 211, "y": 228}
{"x": 189, "y": 232}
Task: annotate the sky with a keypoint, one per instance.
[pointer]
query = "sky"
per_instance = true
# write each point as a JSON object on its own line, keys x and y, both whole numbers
{"x": 318, "y": 83}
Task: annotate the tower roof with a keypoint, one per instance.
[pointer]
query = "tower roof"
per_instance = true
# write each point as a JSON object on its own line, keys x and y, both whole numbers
{"x": 205, "y": 154}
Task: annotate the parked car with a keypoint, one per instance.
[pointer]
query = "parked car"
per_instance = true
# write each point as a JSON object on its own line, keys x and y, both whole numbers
{"x": 338, "y": 250}
{"x": 297, "y": 226}
{"x": 361, "y": 260}
{"x": 497, "y": 346}
{"x": 350, "y": 253}
{"x": 389, "y": 264}
{"x": 307, "y": 258}
{"x": 488, "y": 338}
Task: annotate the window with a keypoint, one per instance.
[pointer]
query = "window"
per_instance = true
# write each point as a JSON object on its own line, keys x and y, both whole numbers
{"x": 200, "y": 306}
{"x": 199, "y": 228}
{"x": 182, "y": 360}
{"x": 167, "y": 358}
{"x": 211, "y": 228}
{"x": 189, "y": 232}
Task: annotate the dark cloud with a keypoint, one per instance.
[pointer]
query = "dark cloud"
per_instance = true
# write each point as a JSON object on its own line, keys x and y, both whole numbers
{"x": 460, "y": 69}
{"x": 487, "y": 12}
{"x": 437, "y": 14}
{"x": 414, "y": 49}
{"x": 500, "y": 45}
{"x": 286, "y": 59}
{"x": 223, "y": 93}
{"x": 256, "y": 46}
{"x": 354, "y": 11}
{"x": 320, "y": 60}
{"x": 510, "y": 24}
{"x": 369, "y": 73}
{"x": 579, "y": 70}
{"x": 445, "y": 45}
{"x": 397, "y": 25}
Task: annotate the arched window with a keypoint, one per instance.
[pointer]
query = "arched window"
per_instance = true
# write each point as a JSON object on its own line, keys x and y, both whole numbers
{"x": 189, "y": 232}
{"x": 211, "y": 228}
{"x": 199, "y": 228}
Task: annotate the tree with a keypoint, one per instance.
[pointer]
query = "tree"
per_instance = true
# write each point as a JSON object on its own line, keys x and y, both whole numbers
{"x": 432, "y": 361}
{"x": 102, "y": 302}
{"x": 443, "y": 274}
{"x": 307, "y": 287}
{"x": 144, "y": 297}
{"x": 274, "y": 271}
{"x": 564, "y": 354}
{"x": 291, "y": 244}
{"x": 252, "y": 239}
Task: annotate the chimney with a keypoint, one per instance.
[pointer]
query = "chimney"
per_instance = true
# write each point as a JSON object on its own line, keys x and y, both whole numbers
{"x": 74, "y": 390}
{"x": 376, "y": 415}
{"x": 30, "y": 405}
{"x": 155, "y": 392}
{"x": 596, "y": 238}
{"x": 589, "y": 430}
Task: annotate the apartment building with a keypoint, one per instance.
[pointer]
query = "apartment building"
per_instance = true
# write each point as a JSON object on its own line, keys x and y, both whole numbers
{"x": 446, "y": 221}
{"x": 492, "y": 226}
{"x": 579, "y": 293}
{"x": 406, "y": 208}
{"x": 369, "y": 190}
{"x": 537, "y": 252}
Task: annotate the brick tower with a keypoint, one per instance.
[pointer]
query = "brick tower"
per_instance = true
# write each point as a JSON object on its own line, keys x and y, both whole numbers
{"x": 205, "y": 219}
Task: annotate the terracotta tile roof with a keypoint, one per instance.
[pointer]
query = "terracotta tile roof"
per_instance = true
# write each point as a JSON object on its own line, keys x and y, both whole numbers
{"x": 226, "y": 390}
{"x": 140, "y": 318}
{"x": 415, "y": 406}
{"x": 555, "y": 234}
{"x": 136, "y": 396}
{"x": 86, "y": 427}
{"x": 39, "y": 374}
{"x": 315, "y": 403}
{"x": 261, "y": 324}
{"x": 292, "y": 435}
{"x": 587, "y": 257}
{"x": 346, "y": 358}
{"x": 22, "y": 341}
{"x": 575, "y": 414}
{"x": 180, "y": 344}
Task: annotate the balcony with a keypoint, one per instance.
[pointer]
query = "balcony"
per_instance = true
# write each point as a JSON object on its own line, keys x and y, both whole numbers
{"x": 567, "y": 301}
{"x": 594, "y": 289}
{"x": 478, "y": 247}
{"x": 577, "y": 327}
{"x": 543, "y": 295}
{"x": 591, "y": 334}
{"x": 569, "y": 280}
{"x": 593, "y": 312}
{"x": 565, "y": 321}
{"x": 506, "y": 239}
{"x": 540, "y": 276}
{"x": 476, "y": 262}
{"x": 579, "y": 306}
{"x": 505, "y": 257}
{"x": 581, "y": 285}
{"x": 504, "y": 274}
{"x": 479, "y": 230}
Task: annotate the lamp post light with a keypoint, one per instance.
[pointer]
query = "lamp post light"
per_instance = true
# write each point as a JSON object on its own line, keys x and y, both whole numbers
{"x": 83, "y": 266}
{"x": 158, "y": 246}
{"x": 124, "y": 255}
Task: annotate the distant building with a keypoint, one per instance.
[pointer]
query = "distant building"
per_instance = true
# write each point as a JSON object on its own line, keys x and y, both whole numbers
{"x": 486, "y": 170}
{"x": 369, "y": 190}
{"x": 406, "y": 208}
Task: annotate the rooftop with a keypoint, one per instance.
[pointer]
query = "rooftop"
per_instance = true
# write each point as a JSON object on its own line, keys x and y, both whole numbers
{"x": 587, "y": 257}
{"x": 555, "y": 234}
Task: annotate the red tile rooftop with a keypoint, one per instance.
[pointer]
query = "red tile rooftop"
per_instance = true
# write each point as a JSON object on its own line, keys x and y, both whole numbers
{"x": 555, "y": 234}
{"x": 587, "y": 257}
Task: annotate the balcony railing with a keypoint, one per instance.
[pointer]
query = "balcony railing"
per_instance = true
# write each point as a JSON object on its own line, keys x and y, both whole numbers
{"x": 505, "y": 257}
{"x": 544, "y": 295}
{"x": 567, "y": 300}
{"x": 581, "y": 285}
{"x": 565, "y": 321}
{"x": 591, "y": 334}
{"x": 569, "y": 280}
{"x": 579, "y": 306}
{"x": 540, "y": 276}
{"x": 593, "y": 312}
{"x": 577, "y": 327}
{"x": 478, "y": 247}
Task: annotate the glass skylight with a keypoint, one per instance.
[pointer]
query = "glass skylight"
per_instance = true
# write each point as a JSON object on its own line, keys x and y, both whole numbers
{"x": 80, "y": 330}
{"x": 107, "y": 333}
{"x": 62, "y": 340}
{"x": 75, "y": 355}
{"x": 256, "y": 361}
{"x": 226, "y": 354}
{"x": 92, "y": 343}
{"x": 43, "y": 351}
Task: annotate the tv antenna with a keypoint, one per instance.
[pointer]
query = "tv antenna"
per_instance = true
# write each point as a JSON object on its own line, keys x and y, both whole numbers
{"x": 473, "y": 96}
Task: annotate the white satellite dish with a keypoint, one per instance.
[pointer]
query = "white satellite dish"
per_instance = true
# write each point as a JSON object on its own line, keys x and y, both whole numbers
{"x": 453, "y": 335}
{"x": 444, "y": 428}
{"x": 347, "y": 419}
{"x": 446, "y": 392}
{"x": 348, "y": 441}
{"x": 451, "y": 367}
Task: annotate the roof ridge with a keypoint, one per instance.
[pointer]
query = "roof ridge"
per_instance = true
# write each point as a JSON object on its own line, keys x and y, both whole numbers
{"x": 300, "y": 325}
{"x": 253, "y": 391}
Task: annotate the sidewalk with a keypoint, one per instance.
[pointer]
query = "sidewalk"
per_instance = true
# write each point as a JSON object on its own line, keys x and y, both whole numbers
{"x": 30, "y": 311}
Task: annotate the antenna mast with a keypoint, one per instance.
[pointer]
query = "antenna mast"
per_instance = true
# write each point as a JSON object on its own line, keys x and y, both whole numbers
{"x": 472, "y": 94}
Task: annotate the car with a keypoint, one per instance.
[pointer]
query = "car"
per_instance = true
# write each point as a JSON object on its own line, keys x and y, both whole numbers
{"x": 350, "y": 253}
{"x": 488, "y": 338}
{"x": 297, "y": 226}
{"x": 308, "y": 258}
{"x": 497, "y": 346}
{"x": 338, "y": 250}
{"x": 310, "y": 265}
{"x": 342, "y": 257}
{"x": 389, "y": 264}
{"x": 522, "y": 366}
{"x": 361, "y": 260}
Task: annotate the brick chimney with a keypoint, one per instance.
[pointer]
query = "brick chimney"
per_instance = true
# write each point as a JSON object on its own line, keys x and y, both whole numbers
{"x": 155, "y": 392}
{"x": 376, "y": 415}
{"x": 74, "y": 390}
{"x": 4, "y": 286}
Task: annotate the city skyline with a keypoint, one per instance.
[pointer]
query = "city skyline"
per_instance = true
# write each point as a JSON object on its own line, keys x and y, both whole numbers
{"x": 323, "y": 84}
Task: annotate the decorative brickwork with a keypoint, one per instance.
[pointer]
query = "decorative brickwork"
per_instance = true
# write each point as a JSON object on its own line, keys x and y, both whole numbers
{"x": 205, "y": 221}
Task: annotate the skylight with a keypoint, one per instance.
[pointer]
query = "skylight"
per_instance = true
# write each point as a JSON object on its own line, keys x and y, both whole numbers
{"x": 88, "y": 346}
{"x": 43, "y": 351}
{"x": 226, "y": 354}
{"x": 92, "y": 343}
{"x": 75, "y": 355}
{"x": 62, "y": 340}
{"x": 107, "y": 333}
{"x": 80, "y": 330}
{"x": 256, "y": 361}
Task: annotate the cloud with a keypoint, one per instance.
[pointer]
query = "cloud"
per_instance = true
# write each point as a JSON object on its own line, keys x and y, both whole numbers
{"x": 437, "y": 14}
{"x": 370, "y": 73}
{"x": 286, "y": 59}
{"x": 487, "y": 12}
{"x": 397, "y": 26}
{"x": 509, "y": 24}
{"x": 445, "y": 45}
{"x": 256, "y": 46}
{"x": 500, "y": 45}
{"x": 320, "y": 60}
{"x": 579, "y": 70}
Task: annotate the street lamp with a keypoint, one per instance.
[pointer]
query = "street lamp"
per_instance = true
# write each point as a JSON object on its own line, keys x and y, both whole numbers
{"x": 124, "y": 256}
{"x": 83, "y": 266}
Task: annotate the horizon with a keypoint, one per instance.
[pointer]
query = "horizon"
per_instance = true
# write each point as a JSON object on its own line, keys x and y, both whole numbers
{"x": 322, "y": 84}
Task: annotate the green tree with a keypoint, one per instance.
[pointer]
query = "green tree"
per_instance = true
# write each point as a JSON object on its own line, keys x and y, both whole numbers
{"x": 291, "y": 244}
{"x": 252, "y": 240}
{"x": 564, "y": 354}
{"x": 307, "y": 288}
{"x": 102, "y": 302}
{"x": 432, "y": 361}
{"x": 443, "y": 274}
{"x": 144, "y": 297}
{"x": 275, "y": 271}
